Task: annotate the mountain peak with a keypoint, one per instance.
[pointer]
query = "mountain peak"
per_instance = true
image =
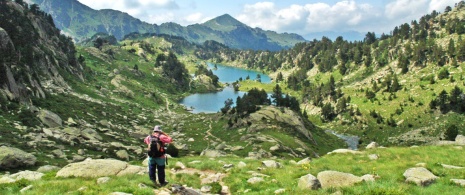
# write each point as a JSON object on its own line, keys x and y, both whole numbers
{"x": 224, "y": 22}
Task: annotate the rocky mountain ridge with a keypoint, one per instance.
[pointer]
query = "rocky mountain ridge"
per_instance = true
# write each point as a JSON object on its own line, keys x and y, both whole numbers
{"x": 81, "y": 22}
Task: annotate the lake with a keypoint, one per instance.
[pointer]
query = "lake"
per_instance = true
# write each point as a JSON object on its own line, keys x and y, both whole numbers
{"x": 214, "y": 101}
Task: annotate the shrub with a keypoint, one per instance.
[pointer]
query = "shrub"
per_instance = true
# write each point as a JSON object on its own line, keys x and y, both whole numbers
{"x": 451, "y": 132}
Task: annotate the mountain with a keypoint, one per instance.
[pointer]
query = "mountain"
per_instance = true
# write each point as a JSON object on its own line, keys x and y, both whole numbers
{"x": 81, "y": 22}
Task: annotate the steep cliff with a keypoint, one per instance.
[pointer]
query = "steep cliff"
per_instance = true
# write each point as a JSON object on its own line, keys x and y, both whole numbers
{"x": 34, "y": 56}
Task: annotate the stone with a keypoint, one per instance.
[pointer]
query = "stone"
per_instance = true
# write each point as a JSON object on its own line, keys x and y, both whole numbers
{"x": 451, "y": 166}
{"x": 373, "y": 157}
{"x": 90, "y": 134}
{"x": 221, "y": 146}
{"x": 26, "y": 189}
{"x": 58, "y": 153}
{"x": 228, "y": 166}
{"x": 103, "y": 180}
{"x": 275, "y": 148}
{"x": 369, "y": 178}
{"x": 237, "y": 148}
{"x": 14, "y": 158}
{"x": 48, "y": 168}
{"x": 309, "y": 182}
{"x": 255, "y": 180}
{"x": 99, "y": 168}
{"x": 460, "y": 140}
{"x": 205, "y": 189}
{"x": 179, "y": 165}
{"x": 330, "y": 179}
{"x": 372, "y": 145}
{"x": 271, "y": 164}
{"x": 78, "y": 158}
{"x": 123, "y": 155}
{"x": 280, "y": 191}
{"x": 460, "y": 182}
{"x": 191, "y": 140}
{"x": 119, "y": 193}
{"x": 420, "y": 176}
{"x": 241, "y": 164}
{"x": 211, "y": 178}
{"x": 211, "y": 153}
{"x": 27, "y": 175}
{"x": 345, "y": 151}
{"x": 304, "y": 161}
{"x": 49, "y": 118}
{"x": 6, "y": 179}
{"x": 420, "y": 165}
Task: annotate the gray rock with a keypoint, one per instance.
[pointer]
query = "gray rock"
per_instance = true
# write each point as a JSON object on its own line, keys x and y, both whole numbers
{"x": 373, "y": 157}
{"x": 369, "y": 178}
{"x": 237, "y": 148}
{"x": 420, "y": 176}
{"x": 372, "y": 145}
{"x": 206, "y": 189}
{"x": 280, "y": 191}
{"x": 228, "y": 166}
{"x": 27, "y": 175}
{"x": 48, "y": 168}
{"x": 103, "y": 180}
{"x": 451, "y": 167}
{"x": 255, "y": 180}
{"x": 345, "y": 151}
{"x": 123, "y": 155}
{"x": 26, "y": 189}
{"x": 179, "y": 165}
{"x": 14, "y": 158}
{"x": 119, "y": 193}
{"x": 271, "y": 164}
{"x": 49, "y": 118}
{"x": 90, "y": 134}
{"x": 304, "y": 161}
{"x": 275, "y": 148}
{"x": 221, "y": 146}
{"x": 309, "y": 182}
{"x": 460, "y": 182}
{"x": 241, "y": 164}
{"x": 460, "y": 140}
{"x": 212, "y": 153}
{"x": 329, "y": 179}
{"x": 99, "y": 168}
{"x": 78, "y": 158}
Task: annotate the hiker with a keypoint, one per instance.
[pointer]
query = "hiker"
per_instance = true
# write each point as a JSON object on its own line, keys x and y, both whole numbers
{"x": 157, "y": 161}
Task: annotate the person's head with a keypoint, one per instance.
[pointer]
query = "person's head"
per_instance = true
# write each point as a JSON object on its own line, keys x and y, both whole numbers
{"x": 157, "y": 129}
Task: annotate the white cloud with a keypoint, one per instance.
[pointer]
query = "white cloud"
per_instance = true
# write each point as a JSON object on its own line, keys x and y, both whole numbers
{"x": 195, "y": 18}
{"x": 344, "y": 15}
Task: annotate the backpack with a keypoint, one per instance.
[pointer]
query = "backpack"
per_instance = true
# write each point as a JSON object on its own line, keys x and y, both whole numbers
{"x": 156, "y": 147}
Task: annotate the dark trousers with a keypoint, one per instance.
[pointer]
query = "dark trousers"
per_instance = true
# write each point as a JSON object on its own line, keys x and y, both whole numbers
{"x": 160, "y": 172}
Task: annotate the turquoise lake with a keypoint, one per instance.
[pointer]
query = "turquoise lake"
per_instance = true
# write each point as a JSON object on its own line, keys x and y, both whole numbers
{"x": 213, "y": 102}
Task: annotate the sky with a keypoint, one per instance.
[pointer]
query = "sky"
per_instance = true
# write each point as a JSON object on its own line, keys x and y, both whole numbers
{"x": 303, "y": 17}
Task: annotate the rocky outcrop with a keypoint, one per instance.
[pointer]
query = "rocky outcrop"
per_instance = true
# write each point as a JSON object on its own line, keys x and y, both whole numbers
{"x": 309, "y": 182}
{"x": 460, "y": 182}
{"x": 420, "y": 176}
{"x": 330, "y": 179}
{"x": 50, "y": 119}
{"x": 14, "y": 158}
{"x": 27, "y": 175}
{"x": 99, "y": 168}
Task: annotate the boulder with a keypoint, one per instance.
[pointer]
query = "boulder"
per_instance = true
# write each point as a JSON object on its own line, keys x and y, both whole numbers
{"x": 309, "y": 182}
{"x": 460, "y": 140}
{"x": 103, "y": 180}
{"x": 451, "y": 166}
{"x": 460, "y": 182}
{"x": 330, "y": 179}
{"x": 28, "y": 175}
{"x": 241, "y": 164}
{"x": 369, "y": 178}
{"x": 271, "y": 164}
{"x": 123, "y": 155}
{"x": 255, "y": 180}
{"x": 179, "y": 165}
{"x": 304, "y": 161}
{"x": 99, "y": 168}
{"x": 420, "y": 176}
{"x": 48, "y": 168}
{"x": 90, "y": 134}
{"x": 345, "y": 151}
{"x": 49, "y": 118}
{"x": 373, "y": 157}
{"x": 372, "y": 145}
{"x": 211, "y": 153}
{"x": 14, "y": 158}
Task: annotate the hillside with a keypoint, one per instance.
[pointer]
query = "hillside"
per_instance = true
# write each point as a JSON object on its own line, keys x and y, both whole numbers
{"x": 98, "y": 100}
{"x": 81, "y": 22}
{"x": 404, "y": 88}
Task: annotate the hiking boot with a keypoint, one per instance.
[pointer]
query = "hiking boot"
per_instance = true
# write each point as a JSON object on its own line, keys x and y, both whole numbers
{"x": 164, "y": 183}
{"x": 154, "y": 182}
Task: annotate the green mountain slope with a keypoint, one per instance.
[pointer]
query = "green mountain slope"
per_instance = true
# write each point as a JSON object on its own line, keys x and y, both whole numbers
{"x": 80, "y": 22}
{"x": 404, "y": 88}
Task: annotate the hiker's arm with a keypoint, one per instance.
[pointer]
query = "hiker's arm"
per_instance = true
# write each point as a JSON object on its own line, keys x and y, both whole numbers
{"x": 166, "y": 139}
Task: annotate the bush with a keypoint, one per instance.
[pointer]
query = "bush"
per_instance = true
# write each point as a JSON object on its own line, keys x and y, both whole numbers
{"x": 451, "y": 132}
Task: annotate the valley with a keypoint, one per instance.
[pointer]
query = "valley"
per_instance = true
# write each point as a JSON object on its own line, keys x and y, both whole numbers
{"x": 396, "y": 99}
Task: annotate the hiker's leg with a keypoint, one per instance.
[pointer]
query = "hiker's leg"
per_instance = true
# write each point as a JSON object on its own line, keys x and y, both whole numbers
{"x": 152, "y": 172}
{"x": 161, "y": 174}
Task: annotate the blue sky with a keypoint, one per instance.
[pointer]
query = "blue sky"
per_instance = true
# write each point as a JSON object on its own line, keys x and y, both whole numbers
{"x": 294, "y": 16}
